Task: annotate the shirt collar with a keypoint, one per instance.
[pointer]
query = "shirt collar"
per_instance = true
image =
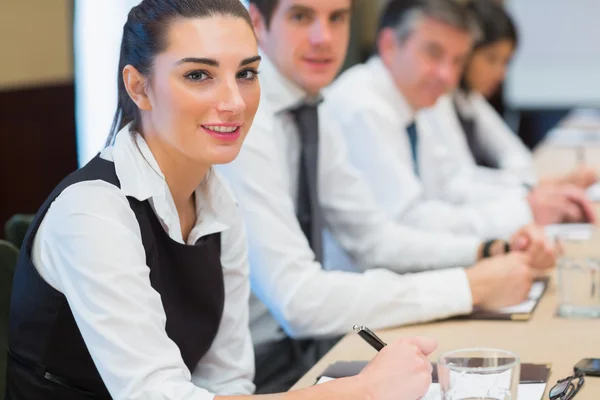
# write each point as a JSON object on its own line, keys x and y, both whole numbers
{"x": 464, "y": 101}
{"x": 135, "y": 165}
{"x": 383, "y": 82}
{"x": 281, "y": 91}
{"x": 141, "y": 178}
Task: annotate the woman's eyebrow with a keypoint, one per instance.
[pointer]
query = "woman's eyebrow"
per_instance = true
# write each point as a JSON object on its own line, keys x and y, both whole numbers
{"x": 199, "y": 60}
{"x": 214, "y": 63}
{"x": 250, "y": 60}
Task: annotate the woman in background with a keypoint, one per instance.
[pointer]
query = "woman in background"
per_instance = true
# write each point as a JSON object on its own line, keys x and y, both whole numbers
{"x": 491, "y": 141}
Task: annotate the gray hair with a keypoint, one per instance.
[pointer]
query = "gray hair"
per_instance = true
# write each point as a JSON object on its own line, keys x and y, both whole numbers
{"x": 404, "y": 16}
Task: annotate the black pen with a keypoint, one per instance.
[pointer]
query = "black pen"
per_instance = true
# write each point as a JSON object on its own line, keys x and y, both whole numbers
{"x": 369, "y": 337}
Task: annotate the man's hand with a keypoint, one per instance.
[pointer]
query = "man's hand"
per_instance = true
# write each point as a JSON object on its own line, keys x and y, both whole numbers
{"x": 584, "y": 176}
{"x": 558, "y": 204}
{"x": 501, "y": 281}
{"x": 532, "y": 240}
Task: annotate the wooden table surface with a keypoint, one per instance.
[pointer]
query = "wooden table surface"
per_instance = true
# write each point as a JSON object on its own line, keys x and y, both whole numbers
{"x": 546, "y": 338}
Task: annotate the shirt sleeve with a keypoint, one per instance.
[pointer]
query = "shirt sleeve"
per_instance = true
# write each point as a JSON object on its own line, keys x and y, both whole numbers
{"x": 89, "y": 247}
{"x": 307, "y": 300}
{"x": 451, "y": 174}
{"x": 372, "y": 236}
{"x": 377, "y": 154}
{"x": 497, "y": 138}
{"x": 228, "y": 367}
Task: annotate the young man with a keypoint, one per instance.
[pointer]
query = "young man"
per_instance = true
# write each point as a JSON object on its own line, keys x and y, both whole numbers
{"x": 292, "y": 179}
{"x": 421, "y": 48}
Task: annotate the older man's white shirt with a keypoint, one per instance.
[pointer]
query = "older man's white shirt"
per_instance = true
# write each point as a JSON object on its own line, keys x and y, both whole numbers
{"x": 514, "y": 160}
{"x": 374, "y": 117}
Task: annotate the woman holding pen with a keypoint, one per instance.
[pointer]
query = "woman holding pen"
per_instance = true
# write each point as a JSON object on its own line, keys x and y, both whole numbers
{"x": 133, "y": 278}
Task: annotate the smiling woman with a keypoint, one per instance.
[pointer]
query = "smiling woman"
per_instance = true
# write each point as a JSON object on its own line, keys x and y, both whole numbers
{"x": 133, "y": 279}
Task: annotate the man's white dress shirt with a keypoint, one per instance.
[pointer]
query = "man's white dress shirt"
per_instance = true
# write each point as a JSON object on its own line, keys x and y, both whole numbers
{"x": 476, "y": 183}
{"x": 307, "y": 300}
{"x": 374, "y": 116}
{"x": 89, "y": 247}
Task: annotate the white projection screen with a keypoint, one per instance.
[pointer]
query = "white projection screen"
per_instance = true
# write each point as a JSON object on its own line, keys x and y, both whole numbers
{"x": 557, "y": 64}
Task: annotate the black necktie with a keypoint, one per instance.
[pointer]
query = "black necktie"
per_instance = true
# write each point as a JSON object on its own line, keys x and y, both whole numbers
{"x": 411, "y": 130}
{"x": 309, "y": 210}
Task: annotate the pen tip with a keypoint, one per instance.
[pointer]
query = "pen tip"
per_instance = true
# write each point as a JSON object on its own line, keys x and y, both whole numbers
{"x": 356, "y": 328}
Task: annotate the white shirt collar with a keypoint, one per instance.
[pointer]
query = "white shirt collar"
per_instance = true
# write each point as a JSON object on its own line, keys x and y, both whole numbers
{"x": 383, "y": 82}
{"x": 141, "y": 178}
{"x": 464, "y": 101}
{"x": 135, "y": 165}
{"x": 284, "y": 93}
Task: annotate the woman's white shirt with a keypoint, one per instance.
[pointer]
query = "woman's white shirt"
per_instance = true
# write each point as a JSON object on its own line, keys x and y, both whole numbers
{"x": 89, "y": 247}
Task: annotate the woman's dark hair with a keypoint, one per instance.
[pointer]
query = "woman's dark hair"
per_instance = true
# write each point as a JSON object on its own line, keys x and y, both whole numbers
{"x": 145, "y": 36}
{"x": 494, "y": 22}
{"x": 266, "y": 8}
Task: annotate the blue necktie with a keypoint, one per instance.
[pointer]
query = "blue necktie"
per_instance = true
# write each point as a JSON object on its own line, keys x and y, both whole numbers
{"x": 411, "y": 130}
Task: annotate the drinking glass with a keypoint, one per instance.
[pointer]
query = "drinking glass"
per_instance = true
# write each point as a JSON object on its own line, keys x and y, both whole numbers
{"x": 479, "y": 374}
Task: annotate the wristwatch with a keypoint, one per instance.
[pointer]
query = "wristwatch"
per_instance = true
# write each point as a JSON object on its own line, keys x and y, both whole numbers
{"x": 487, "y": 247}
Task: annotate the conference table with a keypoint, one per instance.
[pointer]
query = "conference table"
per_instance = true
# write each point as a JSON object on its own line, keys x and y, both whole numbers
{"x": 545, "y": 338}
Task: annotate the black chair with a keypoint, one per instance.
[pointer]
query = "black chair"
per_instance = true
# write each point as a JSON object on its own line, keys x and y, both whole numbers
{"x": 16, "y": 228}
{"x": 8, "y": 260}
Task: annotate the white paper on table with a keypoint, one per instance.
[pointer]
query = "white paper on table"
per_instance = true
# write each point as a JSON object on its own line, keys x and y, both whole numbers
{"x": 525, "y": 307}
{"x": 536, "y": 291}
{"x": 593, "y": 192}
{"x": 324, "y": 379}
{"x": 527, "y": 391}
{"x": 573, "y": 232}
{"x": 573, "y": 137}
{"x": 531, "y": 391}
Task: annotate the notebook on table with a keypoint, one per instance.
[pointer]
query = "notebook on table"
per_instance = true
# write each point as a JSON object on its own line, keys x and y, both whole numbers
{"x": 575, "y": 232}
{"x": 534, "y": 378}
{"x": 520, "y": 312}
